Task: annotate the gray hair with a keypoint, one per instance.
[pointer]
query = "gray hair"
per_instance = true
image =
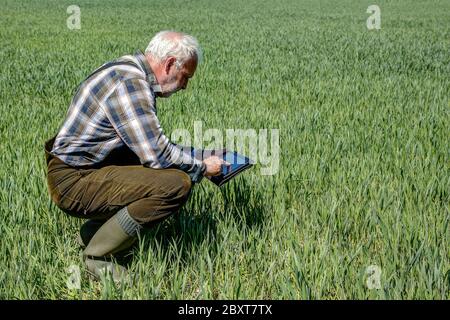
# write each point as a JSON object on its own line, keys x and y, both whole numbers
{"x": 174, "y": 44}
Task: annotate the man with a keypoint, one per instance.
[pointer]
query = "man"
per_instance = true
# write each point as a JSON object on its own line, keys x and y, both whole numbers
{"x": 111, "y": 163}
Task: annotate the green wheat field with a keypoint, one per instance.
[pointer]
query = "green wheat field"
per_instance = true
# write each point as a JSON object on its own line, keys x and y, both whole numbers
{"x": 364, "y": 172}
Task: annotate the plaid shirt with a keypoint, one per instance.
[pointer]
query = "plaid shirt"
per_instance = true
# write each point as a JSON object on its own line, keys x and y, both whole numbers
{"x": 117, "y": 106}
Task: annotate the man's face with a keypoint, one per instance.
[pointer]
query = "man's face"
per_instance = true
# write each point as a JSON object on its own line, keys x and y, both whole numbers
{"x": 176, "y": 78}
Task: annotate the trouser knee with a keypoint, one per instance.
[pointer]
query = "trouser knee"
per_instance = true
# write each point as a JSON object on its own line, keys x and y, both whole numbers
{"x": 157, "y": 206}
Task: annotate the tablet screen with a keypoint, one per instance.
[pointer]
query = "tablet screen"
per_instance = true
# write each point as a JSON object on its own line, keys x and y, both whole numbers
{"x": 236, "y": 160}
{"x": 238, "y": 163}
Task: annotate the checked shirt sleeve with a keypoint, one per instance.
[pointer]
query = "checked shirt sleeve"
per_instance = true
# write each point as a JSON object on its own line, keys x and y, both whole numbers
{"x": 132, "y": 112}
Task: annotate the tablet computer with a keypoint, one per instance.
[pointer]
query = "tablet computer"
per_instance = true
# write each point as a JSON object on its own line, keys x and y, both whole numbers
{"x": 238, "y": 163}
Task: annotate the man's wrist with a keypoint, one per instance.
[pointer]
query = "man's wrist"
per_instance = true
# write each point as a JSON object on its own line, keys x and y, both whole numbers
{"x": 198, "y": 174}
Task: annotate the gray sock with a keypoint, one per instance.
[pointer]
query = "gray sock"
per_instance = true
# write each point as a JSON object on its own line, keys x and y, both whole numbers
{"x": 128, "y": 224}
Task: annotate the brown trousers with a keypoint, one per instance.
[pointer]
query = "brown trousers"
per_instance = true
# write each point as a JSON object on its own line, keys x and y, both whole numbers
{"x": 150, "y": 195}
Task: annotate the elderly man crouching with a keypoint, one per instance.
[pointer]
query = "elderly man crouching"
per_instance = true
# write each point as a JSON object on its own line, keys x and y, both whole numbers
{"x": 111, "y": 163}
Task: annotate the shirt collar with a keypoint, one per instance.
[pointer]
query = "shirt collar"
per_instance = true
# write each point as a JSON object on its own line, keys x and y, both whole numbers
{"x": 148, "y": 71}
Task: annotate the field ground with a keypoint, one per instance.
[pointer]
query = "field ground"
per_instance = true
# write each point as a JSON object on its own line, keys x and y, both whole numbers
{"x": 364, "y": 164}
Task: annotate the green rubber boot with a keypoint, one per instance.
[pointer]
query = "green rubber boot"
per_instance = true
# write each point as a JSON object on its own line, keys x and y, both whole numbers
{"x": 87, "y": 231}
{"x": 115, "y": 235}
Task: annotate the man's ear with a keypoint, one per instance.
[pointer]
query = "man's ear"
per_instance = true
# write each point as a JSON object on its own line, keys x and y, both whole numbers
{"x": 169, "y": 63}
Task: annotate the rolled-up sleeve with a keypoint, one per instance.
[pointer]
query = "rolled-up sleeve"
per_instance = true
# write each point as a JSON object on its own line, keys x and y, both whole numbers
{"x": 132, "y": 112}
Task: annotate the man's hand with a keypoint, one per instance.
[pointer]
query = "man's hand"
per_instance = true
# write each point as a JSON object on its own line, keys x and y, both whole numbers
{"x": 214, "y": 166}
